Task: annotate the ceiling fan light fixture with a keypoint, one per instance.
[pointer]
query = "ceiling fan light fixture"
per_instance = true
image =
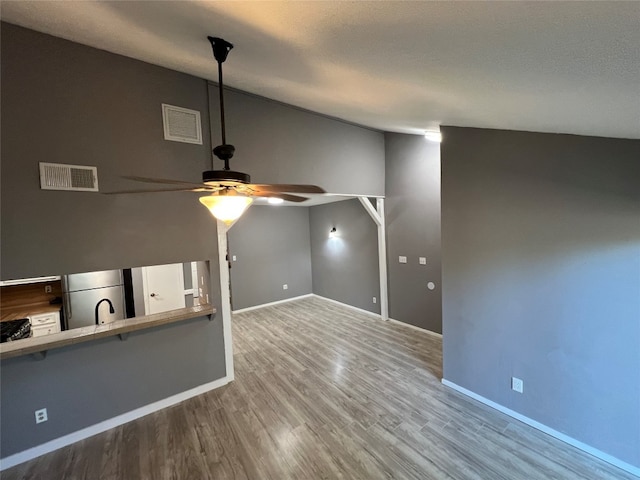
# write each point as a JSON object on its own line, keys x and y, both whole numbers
{"x": 226, "y": 207}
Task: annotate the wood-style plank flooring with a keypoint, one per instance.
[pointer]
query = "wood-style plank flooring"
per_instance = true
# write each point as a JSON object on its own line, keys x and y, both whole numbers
{"x": 323, "y": 392}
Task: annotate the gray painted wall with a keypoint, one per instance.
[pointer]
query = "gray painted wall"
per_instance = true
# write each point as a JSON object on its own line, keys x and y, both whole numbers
{"x": 413, "y": 229}
{"x": 345, "y": 268}
{"x": 67, "y": 103}
{"x": 272, "y": 248}
{"x": 541, "y": 278}
{"x": 277, "y": 143}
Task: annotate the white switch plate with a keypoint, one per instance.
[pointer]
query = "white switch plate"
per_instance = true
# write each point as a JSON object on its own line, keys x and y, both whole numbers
{"x": 375, "y": 300}
{"x": 41, "y": 415}
{"x": 517, "y": 384}
{"x": 402, "y": 259}
{"x": 285, "y": 286}
{"x": 233, "y": 258}
{"x": 422, "y": 260}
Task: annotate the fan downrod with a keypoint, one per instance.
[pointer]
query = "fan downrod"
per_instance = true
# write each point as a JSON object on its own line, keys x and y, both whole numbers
{"x": 221, "y": 49}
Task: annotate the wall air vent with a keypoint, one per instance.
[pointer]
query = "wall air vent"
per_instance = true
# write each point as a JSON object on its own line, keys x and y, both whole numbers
{"x": 58, "y": 176}
{"x": 181, "y": 124}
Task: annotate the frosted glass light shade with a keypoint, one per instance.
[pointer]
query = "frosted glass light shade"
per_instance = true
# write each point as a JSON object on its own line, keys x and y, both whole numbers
{"x": 227, "y": 208}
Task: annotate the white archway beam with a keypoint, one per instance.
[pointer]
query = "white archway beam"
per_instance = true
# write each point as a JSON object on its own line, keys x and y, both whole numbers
{"x": 371, "y": 211}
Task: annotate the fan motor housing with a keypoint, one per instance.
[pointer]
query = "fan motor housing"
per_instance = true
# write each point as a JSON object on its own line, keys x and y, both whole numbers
{"x": 225, "y": 176}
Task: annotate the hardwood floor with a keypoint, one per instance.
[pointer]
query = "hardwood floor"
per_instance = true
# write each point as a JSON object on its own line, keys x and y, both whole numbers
{"x": 323, "y": 392}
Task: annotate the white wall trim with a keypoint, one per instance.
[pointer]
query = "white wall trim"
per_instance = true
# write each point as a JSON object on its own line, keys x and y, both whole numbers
{"x": 414, "y": 327}
{"x": 361, "y": 310}
{"x": 225, "y": 298}
{"x": 87, "y": 432}
{"x": 548, "y": 430}
{"x": 382, "y": 260}
{"x": 346, "y": 305}
{"x": 277, "y": 302}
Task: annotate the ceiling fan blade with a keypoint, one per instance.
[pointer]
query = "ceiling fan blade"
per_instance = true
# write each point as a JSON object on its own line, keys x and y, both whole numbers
{"x": 201, "y": 189}
{"x": 284, "y": 196}
{"x": 286, "y": 187}
{"x": 165, "y": 181}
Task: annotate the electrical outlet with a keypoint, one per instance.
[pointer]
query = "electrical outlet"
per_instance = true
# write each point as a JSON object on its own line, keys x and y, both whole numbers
{"x": 41, "y": 415}
{"x": 47, "y": 289}
{"x": 402, "y": 259}
{"x": 517, "y": 384}
{"x": 375, "y": 300}
{"x": 285, "y": 287}
{"x": 422, "y": 260}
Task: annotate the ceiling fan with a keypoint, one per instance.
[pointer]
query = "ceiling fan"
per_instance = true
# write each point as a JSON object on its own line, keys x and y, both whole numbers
{"x": 231, "y": 192}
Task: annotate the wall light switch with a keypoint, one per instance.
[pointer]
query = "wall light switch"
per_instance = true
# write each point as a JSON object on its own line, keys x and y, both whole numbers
{"x": 375, "y": 299}
{"x": 402, "y": 259}
{"x": 422, "y": 260}
{"x": 234, "y": 258}
{"x": 285, "y": 286}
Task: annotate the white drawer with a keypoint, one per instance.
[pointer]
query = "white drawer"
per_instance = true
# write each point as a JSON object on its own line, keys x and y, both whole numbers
{"x": 46, "y": 330}
{"x": 45, "y": 320}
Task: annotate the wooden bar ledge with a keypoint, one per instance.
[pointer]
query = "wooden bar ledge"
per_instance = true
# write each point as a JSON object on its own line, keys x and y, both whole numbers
{"x": 122, "y": 328}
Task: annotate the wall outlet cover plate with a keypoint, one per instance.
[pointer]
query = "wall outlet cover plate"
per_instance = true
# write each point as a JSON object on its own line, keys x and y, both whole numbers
{"x": 517, "y": 384}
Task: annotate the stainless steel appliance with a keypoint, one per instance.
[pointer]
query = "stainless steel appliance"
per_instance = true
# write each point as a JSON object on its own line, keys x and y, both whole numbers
{"x": 93, "y": 298}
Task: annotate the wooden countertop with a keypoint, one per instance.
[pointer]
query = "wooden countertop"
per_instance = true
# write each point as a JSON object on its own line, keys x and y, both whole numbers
{"x": 86, "y": 334}
{"x": 23, "y": 311}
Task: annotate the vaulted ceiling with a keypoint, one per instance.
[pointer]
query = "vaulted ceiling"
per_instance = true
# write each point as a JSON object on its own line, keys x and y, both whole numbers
{"x": 564, "y": 67}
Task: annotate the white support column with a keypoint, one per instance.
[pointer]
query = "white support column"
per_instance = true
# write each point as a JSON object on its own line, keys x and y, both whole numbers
{"x": 225, "y": 299}
{"x": 382, "y": 259}
{"x": 378, "y": 217}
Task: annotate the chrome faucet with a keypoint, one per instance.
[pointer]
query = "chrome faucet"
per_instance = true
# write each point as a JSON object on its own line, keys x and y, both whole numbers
{"x": 111, "y": 309}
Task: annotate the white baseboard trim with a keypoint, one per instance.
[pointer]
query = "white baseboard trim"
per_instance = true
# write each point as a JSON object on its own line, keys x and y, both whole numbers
{"x": 277, "y": 302}
{"x": 361, "y": 310}
{"x": 420, "y": 329}
{"x": 548, "y": 430}
{"x": 87, "y": 432}
{"x": 378, "y": 316}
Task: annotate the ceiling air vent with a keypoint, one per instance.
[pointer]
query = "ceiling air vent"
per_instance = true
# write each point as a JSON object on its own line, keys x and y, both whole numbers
{"x": 181, "y": 124}
{"x": 58, "y": 176}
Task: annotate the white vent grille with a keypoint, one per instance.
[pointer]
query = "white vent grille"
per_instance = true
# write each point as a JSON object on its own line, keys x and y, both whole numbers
{"x": 58, "y": 176}
{"x": 181, "y": 124}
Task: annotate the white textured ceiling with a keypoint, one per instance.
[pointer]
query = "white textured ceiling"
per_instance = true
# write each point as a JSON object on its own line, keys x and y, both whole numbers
{"x": 570, "y": 67}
